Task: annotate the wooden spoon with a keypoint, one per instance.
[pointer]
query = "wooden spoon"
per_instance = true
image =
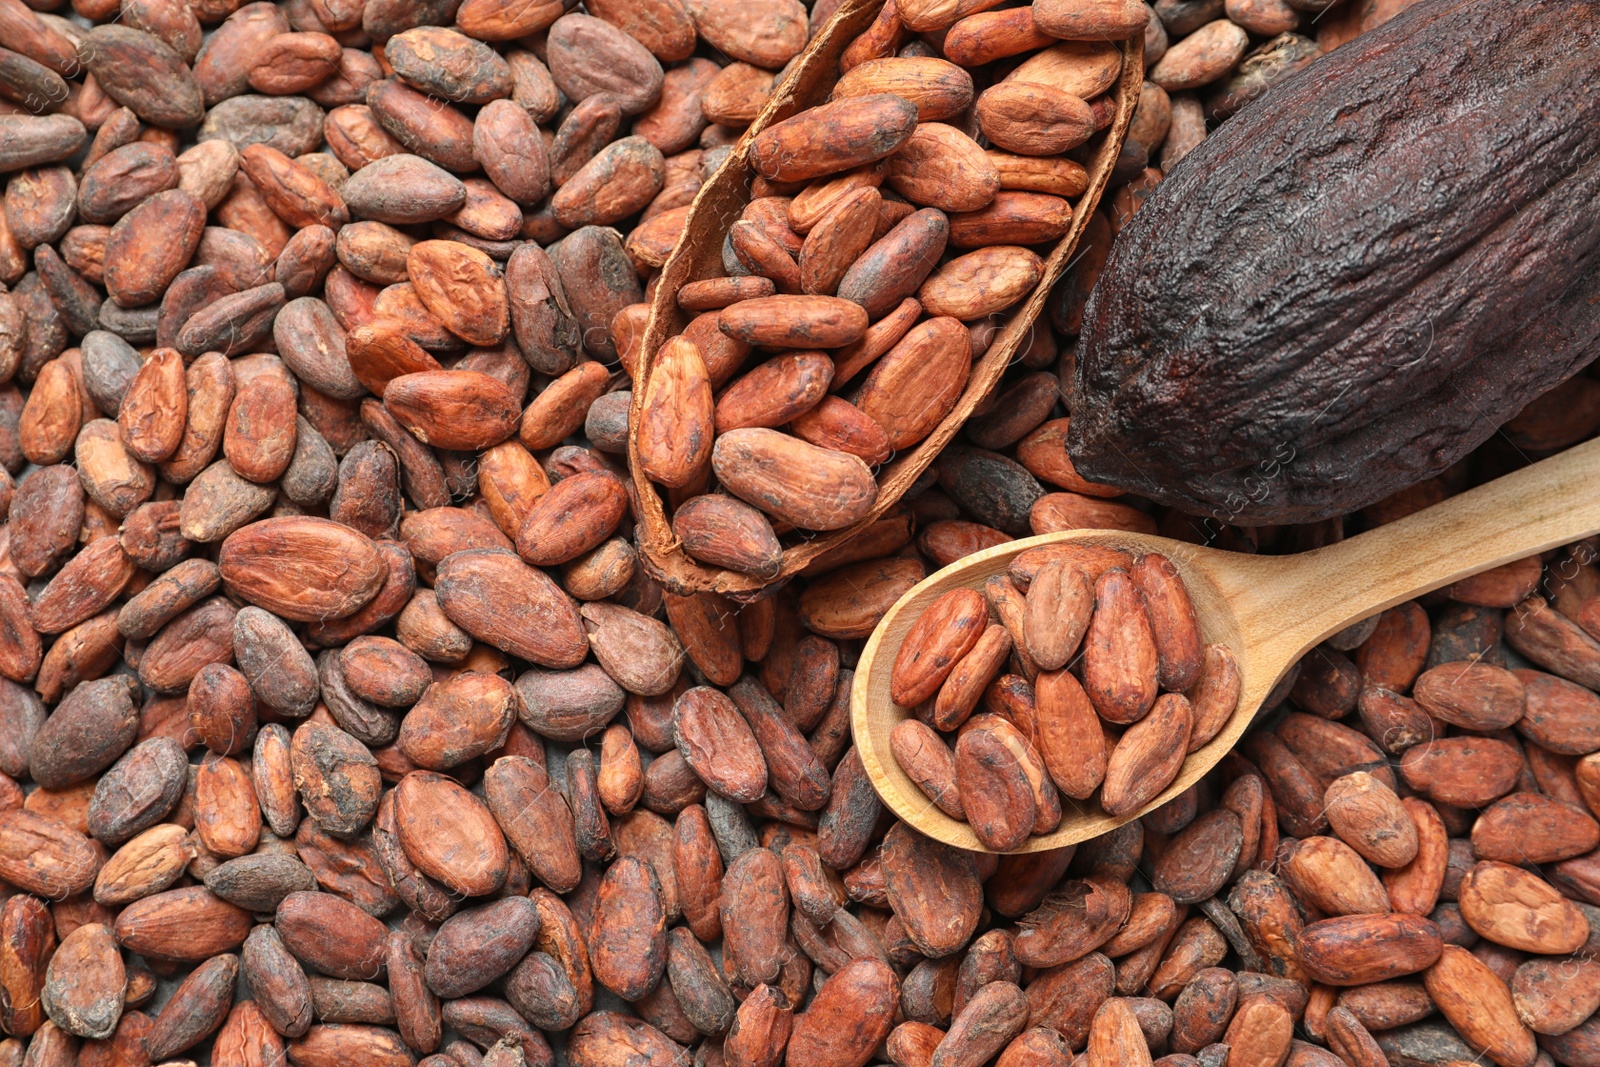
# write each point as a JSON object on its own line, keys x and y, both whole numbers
{"x": 1270, "y": 610}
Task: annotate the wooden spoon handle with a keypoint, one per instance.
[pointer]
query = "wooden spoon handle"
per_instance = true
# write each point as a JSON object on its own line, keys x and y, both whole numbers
{"x": 1318, "y": 593}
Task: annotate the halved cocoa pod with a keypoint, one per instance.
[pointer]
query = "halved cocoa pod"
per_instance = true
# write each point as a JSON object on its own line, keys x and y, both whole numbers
{"x": 776, "y": 132}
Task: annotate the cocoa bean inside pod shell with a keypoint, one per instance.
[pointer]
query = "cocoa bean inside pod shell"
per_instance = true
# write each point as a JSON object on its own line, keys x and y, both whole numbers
{"x": 780, "y": 215}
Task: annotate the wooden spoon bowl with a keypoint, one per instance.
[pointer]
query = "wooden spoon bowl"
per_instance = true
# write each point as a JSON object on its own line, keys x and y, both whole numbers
{"x": 1270, "y": 610}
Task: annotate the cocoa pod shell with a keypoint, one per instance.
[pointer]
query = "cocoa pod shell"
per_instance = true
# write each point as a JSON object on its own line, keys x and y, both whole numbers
{"x": 699, "y": 257}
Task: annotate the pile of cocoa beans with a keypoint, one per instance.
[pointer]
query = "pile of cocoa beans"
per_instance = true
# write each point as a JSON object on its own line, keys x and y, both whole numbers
{"x": 341, "y": 726}
{"x": 1401, "y": 865}
{"x": 1147, "y": 691}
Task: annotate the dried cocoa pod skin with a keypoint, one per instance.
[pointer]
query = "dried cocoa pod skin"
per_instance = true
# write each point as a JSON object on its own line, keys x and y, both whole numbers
{"x": 1433, "y": 370}
{"x": 350, "y": 864}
